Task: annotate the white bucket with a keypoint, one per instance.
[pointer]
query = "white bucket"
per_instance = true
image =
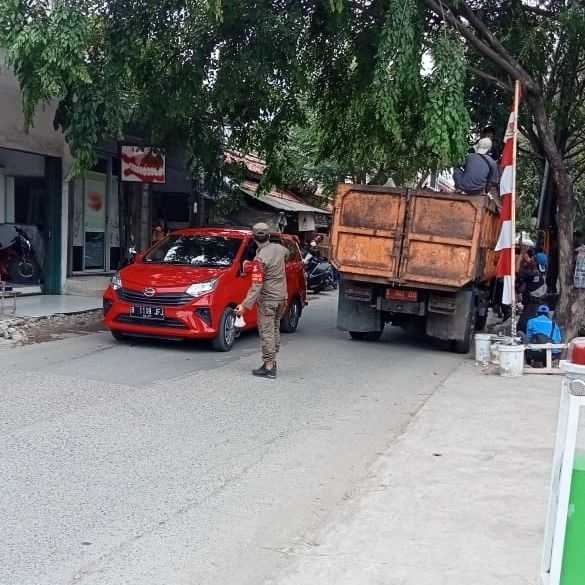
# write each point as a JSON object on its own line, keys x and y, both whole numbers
{"x": 495, "y": 353}
{"x": 497, "y": 340}
{"x": 483, "y": 343}
{"x": 511, "y": 360}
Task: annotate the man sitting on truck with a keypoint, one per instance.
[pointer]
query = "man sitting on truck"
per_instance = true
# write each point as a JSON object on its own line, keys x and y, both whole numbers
{"x": 480, "y": 171}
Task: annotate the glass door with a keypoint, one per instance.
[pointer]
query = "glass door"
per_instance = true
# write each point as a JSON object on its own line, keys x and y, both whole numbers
{"x": 94, "y": 257}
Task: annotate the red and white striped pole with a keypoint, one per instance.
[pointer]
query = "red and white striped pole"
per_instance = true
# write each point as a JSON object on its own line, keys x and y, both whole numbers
{"x": 507, "y": 241}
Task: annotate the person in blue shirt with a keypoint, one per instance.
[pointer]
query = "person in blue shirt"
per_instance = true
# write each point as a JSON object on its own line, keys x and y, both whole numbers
{"x": 542, "y": 324}
{"x": 542, "y": 329}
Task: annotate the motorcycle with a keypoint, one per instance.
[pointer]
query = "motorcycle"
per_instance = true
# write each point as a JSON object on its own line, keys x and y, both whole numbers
{"x": 320, "y": 273}
{"x": 18, "y": 263}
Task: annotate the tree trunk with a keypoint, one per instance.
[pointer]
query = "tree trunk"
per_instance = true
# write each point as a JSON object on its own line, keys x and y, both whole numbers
{"x": 571, "y": 305}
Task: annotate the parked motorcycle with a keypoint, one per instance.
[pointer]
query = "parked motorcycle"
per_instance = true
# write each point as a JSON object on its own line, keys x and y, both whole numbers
{"x": 18, "y": 263}
{"x": 320, "y": 273}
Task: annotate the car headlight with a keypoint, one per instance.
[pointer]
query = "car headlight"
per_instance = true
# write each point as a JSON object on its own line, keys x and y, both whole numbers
{"x": 202, "y": 288}
{"x": 116, "y": 281}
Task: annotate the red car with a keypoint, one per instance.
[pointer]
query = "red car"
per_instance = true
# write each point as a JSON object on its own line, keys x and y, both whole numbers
{"x": 188, "y": 284}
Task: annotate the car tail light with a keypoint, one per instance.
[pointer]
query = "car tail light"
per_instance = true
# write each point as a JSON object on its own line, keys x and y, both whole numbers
{"x": 205, "y": 315}
{"x": 107, "y": 305}
{"x": 399, "y": 294}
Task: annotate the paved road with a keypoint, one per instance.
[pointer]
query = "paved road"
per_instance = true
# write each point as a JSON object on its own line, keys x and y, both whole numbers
{"x": 168, "y": 464}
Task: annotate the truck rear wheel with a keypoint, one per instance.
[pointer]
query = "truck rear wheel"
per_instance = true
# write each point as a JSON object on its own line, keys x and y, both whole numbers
{"x": 365, "y": 335}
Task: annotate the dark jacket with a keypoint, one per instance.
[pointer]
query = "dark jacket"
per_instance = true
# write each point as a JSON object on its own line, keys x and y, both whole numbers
{"x": 479, "y": 172}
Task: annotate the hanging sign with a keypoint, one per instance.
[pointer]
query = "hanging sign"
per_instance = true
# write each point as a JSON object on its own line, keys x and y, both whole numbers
{"x": 142, "y": 165}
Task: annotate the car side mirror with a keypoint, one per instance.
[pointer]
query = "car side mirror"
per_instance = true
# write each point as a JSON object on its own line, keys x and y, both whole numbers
{"x": 247, "y": 267}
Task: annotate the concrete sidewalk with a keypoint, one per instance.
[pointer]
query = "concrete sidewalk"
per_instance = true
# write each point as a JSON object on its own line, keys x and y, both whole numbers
{"x": 48, "y": 305}
{"x": 459, "y": 499}
{"x": 61, "y": 311}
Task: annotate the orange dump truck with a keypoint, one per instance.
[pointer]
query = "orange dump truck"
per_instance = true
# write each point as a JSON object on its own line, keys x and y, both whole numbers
{"x": 419, "y": 259}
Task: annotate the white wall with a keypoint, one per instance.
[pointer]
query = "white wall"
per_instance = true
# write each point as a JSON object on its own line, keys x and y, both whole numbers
{"x": 22, "y": 151}
{"x": 42, "y": 137}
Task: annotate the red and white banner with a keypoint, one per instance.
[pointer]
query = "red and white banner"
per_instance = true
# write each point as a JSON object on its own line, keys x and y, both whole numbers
{"x": 142, "y": 165}
{"x": 506, "y": 241}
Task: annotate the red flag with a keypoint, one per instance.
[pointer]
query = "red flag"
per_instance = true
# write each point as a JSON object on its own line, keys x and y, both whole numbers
{"x": 506, "y": 241}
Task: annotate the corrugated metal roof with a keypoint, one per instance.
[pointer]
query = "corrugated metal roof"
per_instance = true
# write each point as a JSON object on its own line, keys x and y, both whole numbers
{"x": 284, "y": 204}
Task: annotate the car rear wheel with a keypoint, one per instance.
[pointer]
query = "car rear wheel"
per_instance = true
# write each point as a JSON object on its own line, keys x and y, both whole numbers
{"x": 290, "y": 322}
{"x": 366, "y": 335}
{"x": 227, "y": 333}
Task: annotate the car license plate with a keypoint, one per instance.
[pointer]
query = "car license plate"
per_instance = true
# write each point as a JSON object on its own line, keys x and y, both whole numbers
{"x": 147, "y": 312}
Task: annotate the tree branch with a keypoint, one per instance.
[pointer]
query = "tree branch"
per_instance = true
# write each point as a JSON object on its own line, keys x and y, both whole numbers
{"x": 530, "y": 153}
{"x": 570, "y": 155}
{"x": 533, "y": 138}
{"x": 484, "y": 31}
{"x": 578, "y": 176}
{"x": 577, "y": 139}
{"x": 539, "y": 11}
{"x": 492, "y": 78}
{"x": 510, "y": 66}
{"x": 553, "y": 81}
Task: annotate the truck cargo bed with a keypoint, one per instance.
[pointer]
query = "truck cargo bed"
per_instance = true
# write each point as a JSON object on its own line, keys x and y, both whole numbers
{"x": 420, "y": 239}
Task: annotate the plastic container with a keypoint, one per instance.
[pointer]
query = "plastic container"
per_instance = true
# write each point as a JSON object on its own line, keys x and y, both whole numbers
{"x": 495, "y": 349}
{"x": 511, "y": 360}
{"x": 483, "y": 344}
{"x": 577, "y": 351}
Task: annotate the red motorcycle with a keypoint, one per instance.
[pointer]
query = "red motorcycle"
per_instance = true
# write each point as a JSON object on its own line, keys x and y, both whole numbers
{"x": 18, "y": 263}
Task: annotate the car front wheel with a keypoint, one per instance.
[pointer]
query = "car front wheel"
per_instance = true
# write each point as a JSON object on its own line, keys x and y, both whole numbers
{"x": 118, "y": 336}
{"x": 226, "y": 335}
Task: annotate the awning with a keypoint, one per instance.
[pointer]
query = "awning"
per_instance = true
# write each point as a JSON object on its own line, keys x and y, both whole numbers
{"x": 285, "y": 204}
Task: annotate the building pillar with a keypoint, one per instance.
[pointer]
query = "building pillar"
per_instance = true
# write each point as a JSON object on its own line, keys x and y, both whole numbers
{"x": 145, "y": 227}
{"x": 53, "y": 262}
{"x": 2, "y": 197}
{"x": 64, "y": 233}
{"x": 10, "y": 207}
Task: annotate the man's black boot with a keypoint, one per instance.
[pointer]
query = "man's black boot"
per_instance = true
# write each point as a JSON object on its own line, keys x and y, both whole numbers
{"x": 264, "y": 372}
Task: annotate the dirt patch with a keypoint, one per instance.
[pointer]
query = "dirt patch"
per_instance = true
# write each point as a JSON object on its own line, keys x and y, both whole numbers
{"x": 41, "y": 330}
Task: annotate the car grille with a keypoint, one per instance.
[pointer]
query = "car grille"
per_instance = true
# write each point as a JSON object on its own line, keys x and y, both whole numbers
{"x": 158, "y": 299}
{"x": 165, "y": 323}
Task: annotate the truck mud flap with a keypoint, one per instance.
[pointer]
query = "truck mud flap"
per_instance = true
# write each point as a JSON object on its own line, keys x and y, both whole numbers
{"x": 449, "y": 319}
{"x": 355, "y": 312}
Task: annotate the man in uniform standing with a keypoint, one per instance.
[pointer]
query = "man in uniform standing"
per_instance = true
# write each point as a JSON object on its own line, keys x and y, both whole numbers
{"x": 268, "y": 290}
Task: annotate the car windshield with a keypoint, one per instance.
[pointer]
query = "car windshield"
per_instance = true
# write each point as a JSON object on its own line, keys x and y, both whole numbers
{"x": 207, "y": 251}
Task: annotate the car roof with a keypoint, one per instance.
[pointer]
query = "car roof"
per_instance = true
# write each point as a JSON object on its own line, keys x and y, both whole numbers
{"x": 222, "y": 232}
{"x": 214, "y": 231}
